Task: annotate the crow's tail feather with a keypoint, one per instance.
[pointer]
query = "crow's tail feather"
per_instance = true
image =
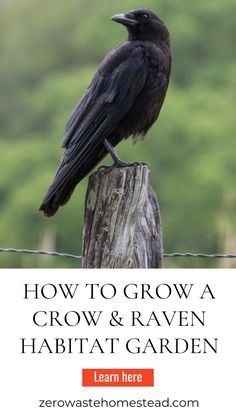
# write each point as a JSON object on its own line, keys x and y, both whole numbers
{"x": 60, "y": 197}
{"x": 65, "y": 181}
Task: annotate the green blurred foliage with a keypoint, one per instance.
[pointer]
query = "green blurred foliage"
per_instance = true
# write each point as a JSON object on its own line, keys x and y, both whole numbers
{"x": 49, "y": 51}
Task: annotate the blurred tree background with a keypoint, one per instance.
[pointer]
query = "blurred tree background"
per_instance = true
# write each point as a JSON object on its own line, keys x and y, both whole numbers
{"x": 49, "y": 51}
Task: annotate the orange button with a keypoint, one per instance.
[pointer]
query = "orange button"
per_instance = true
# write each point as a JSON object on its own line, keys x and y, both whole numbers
{"x": 118, "y": 377}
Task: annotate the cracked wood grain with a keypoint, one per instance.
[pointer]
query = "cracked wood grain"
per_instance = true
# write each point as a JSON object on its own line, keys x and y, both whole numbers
{"x": 122, "y": 224}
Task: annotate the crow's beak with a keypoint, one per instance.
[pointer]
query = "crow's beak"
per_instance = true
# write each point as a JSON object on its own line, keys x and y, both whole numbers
{"x": 124, "y": 20}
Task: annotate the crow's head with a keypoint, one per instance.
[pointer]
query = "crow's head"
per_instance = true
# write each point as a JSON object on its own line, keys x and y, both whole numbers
{"x": 143, "y": 25}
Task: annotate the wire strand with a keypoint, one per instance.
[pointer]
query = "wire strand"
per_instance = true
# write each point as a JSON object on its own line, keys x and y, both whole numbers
{"x": 167, "y": 255}
{"x": 40, "y": 252}
{"x": 201, "y": 255}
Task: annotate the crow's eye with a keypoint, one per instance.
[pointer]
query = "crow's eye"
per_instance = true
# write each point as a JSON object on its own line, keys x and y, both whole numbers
{"x": 145, "y": 16}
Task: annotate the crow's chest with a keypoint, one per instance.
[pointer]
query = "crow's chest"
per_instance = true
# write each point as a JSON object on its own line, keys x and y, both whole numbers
{"x": 147, "y": 105}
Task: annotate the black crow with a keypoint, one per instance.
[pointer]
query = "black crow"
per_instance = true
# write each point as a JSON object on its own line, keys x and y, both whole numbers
{"x": 123, "y": 99}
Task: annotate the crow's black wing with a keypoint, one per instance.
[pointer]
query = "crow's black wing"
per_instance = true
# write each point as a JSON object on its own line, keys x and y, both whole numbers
{"x": 107, "y": 90}
{"x": 82, "y": 109}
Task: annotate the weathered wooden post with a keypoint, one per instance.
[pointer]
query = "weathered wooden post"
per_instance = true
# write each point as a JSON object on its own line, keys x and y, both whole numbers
{"x": 122, "y": 225}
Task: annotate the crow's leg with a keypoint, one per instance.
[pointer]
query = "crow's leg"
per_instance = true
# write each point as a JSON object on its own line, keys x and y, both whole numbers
{"x": 118, "y": 162}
